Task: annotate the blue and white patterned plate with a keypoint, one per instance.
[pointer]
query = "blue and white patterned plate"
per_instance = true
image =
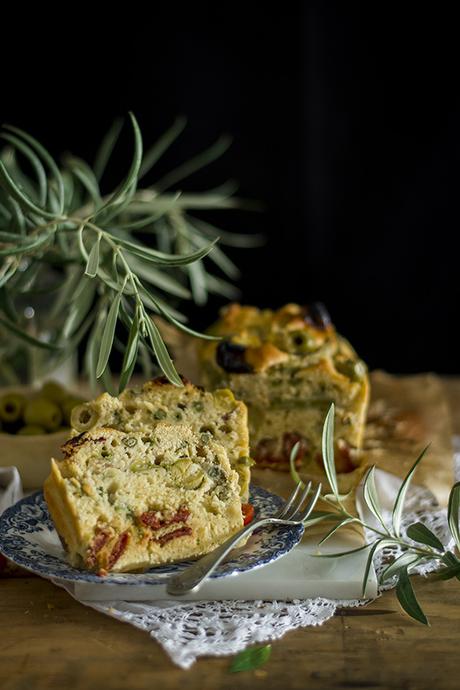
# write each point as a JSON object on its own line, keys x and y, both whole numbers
{"x": 28, "y": 538}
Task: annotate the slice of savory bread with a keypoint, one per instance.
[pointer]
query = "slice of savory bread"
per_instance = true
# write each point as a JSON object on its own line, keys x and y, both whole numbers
{"x": 127, "y": 501}
{"x": 214, "y": 416}
{"x": 288, "y": 366}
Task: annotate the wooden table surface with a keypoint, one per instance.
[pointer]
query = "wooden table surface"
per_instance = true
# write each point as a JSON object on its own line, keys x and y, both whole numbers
{"x": 48, "y": 640}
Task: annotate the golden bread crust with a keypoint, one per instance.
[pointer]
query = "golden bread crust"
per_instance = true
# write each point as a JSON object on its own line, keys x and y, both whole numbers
{"x": 288, "y": 366}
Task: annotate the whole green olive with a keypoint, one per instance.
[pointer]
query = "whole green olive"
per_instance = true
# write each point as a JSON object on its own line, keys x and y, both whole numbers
{"x": 52, "y": 390}
{"x": 44, "y": 413}
{"x": 11, "y": 407}
{"x": 31, "y": 430}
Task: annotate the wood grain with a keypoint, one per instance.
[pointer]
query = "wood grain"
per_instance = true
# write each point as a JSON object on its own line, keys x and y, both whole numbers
{"x": 51, "y": 641}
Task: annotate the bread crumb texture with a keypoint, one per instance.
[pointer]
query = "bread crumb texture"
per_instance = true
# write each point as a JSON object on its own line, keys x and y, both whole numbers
{"x": 216, "y": 416}
{"x": 288, "y": 366}
{"x": 125, "y": 500}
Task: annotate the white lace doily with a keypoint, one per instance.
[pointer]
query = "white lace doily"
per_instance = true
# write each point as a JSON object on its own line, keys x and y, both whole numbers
{"x": 189, "y": 630}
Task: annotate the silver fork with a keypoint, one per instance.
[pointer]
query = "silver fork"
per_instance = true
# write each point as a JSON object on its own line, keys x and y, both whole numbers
{"x": 293, "y": 512}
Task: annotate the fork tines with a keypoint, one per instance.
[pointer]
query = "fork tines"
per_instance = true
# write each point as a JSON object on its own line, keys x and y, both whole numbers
{"x": 294, "y": 508}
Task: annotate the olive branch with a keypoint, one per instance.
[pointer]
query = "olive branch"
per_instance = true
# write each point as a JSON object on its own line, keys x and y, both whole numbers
{"x": 418, "y": 545}
{"x": 114, "y": 258}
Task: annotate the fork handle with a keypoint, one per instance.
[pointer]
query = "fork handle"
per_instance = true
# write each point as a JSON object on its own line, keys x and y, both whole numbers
{"x": 190, "y": 579}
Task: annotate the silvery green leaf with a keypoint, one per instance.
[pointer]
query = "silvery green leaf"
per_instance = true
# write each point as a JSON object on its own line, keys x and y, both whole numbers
{"x": 12, "y": 164}
{"x": 8, "y": 273}
{"x": 80, "y": 304}
{"x": 420, "y": 533}
{"x": 81, "y": 243}
{"x": 161, "y": 209}
{"x": 218, "y": 286}
{"x": 159, "y": 278}
{"x": 10, "y": 186}
{"x": 251, "y": 658}
{"x": 107, "y": 380}
{"x": 45, "y": 156}
{"x": 371, "y": 496}
{"x": 328, "y": 451}
{"x": 407, "y": 599}
{"x": 92, "y": 264}
{"x": 106, "y": 148}
{"x": 130, "y": 356}
{"x": 93, "y": 346}
{"x": 146, "y": 362}
{"x": 162, "y": 354}
{"x": 118, "y": 196}
{"x": 18, "y": 218}
{"x": 155, "y": 303}
{"x": 401, "y": 495}
{"x": 197, "y": 276}
{"x": 69, "y": 286}
{"x": 35, "y": 163}
{"x": 107, "y": 335}
{"x": 164, "y": 311}
{"x": 13, "y": 237}
{"x": 453, "y": 513}
{"x": 318, "y": 516}
{"x": 333, "y": 530}
{"x": 405, "y": 560}
{"x": 194, "y": 164}
{"x": 292, "y": 457}
{"x": 377, "y": 546}
{"x": 162, "y": 258}
{"x": 25, "y": 247}
{"x": 218, "y": 257}
{"x": 86, "y": 177}
{"x": 154, "y": 154}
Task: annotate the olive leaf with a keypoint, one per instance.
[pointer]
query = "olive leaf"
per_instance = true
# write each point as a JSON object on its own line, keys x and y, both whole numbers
{"x": 377, "y": 546}
{"x": 420, "y": 533}
{"x": 131, "y": 177}
{"x": 453, "y": 513}
{"x": 405, "y": 560}
{"x": 130, "y": 356}
{"x": 292, "y": 457}
{"x": 56, "y": 216}
{"x": 328, "y": 451}
{"x": 48, "y": 160}
{"x": 407, "y": 599}
{"x": 333, "y": 530}
{"x": 79, "y": 307}
{"x": 108, "y": 335}
{"x": 371, "y": 496}
{"x": 251, "y": 658}
{"x": 154, "y": 154}
{"x": 92, "y": 264}
{"x": 401, "y": 495}
{"x": 162, "y": 354}
{"x": 34, "y": 161}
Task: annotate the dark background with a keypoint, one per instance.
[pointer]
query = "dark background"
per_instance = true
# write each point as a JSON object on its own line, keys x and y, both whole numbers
{"x": 345, "y": 120}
